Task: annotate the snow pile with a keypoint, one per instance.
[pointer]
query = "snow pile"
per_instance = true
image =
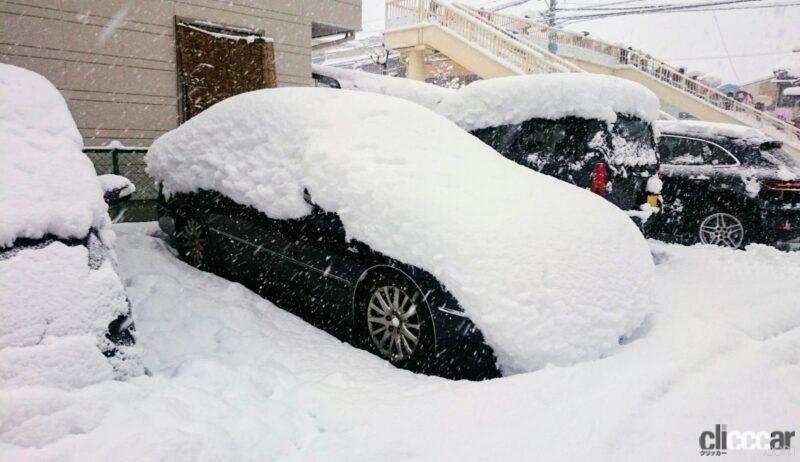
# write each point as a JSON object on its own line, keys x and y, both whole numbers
{"x": 47, "y": 185}
{"x": 424, "y": 94}
{"x": 711, "y": 130}
{"x": 513, "y": 100}
{"x": 549, "y": 272}
{"x": 722, "y": 347}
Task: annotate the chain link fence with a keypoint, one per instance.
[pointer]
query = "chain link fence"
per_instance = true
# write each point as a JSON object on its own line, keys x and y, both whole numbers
{"x": 130, "y": 163}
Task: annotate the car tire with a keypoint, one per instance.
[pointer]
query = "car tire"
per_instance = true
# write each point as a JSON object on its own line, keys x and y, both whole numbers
{"x": 723, "y": 228}
{"x": 191, "y": 240}
{"x": 393, "y": 321}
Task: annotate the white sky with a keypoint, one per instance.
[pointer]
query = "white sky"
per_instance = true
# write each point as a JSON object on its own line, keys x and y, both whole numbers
{"x": 764, "y": 36}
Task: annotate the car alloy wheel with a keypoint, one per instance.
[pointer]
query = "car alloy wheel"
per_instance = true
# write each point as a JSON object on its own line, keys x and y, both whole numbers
{"x": 192, "y": 241}
{"x": 722, "y": 229}
{"x": 394, "y": 322}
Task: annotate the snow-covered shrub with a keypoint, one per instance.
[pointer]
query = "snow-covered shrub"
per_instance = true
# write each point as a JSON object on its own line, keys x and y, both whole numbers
{"x": 549, "y": 272}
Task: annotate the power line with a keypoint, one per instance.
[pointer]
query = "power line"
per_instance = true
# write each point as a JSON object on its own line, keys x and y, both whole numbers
{"x": 740, "y": 55}
{"x": 657, "y": 7}
{"x": 676, "y": 9}
{"x": 725, "y": 47}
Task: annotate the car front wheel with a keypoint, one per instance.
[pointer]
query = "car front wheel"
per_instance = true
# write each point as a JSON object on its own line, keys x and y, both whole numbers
{"x": 191, "y": 240}
{"x": 394, "y": 321}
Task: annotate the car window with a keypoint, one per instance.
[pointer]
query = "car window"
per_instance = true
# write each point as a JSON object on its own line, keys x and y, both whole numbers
{"x": 499, "y": 138}
{"x": 688, "y": 151}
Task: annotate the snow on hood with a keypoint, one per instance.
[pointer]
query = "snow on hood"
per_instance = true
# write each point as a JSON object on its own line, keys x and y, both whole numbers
{"x": 425, "y": 94}
{"x": 711, "y": 130}
{"x": 47, "y": 185}
{"x": 513, "y": 100}
{"x": 549, "y": 272}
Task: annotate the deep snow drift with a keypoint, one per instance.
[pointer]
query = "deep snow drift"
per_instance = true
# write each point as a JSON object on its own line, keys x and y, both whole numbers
{"x": 235, "y": 378}
{"x": 47, "y": 185}
{"x": 549, "y": 272}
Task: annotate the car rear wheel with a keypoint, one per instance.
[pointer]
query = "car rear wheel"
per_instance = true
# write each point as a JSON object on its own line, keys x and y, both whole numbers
{"x": 394, "y": 321}
{"x": 723, "y": 229}
{"x": 191, "y": 240}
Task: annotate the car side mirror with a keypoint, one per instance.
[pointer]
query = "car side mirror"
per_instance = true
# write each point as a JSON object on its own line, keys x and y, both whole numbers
{"x": 116, "y": 188}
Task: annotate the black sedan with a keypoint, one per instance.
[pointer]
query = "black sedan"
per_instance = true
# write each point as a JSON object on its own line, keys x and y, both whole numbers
{"x": 726, "y": 185}
{"x": 307, "y": 266}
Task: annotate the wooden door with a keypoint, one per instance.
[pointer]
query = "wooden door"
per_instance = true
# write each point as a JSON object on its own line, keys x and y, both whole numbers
{"x": 216, "y": 62}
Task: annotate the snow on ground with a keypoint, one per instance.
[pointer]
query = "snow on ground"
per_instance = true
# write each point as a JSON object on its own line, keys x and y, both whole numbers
{"x": 235, "y": 378}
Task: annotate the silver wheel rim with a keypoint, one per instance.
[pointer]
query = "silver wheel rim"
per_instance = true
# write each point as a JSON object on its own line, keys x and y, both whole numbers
{"x": 393, "y": 321}
{"x": 722, "y": 229}
{"x": 193, "y": 241}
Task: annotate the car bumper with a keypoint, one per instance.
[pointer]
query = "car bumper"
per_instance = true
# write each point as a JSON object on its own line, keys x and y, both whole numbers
{"x": 782, "y": 227}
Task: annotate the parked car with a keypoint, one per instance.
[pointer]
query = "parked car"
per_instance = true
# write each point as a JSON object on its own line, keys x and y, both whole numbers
{"x": 592, "y": 131}
{"x": 726, "y": 185}
{"x": 61, "y": 299}
{"x": 386, "y": 224}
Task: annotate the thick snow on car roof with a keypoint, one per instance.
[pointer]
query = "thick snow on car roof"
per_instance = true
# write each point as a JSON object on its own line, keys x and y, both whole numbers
{"x": 711, "y": 130}
{"x": 513, "y": 100}
{"x": 425, "y": 94}
{"x": 549, "y": 272}
{"x": 47, "y": 185}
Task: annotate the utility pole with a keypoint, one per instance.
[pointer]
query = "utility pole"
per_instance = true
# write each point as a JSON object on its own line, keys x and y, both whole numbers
{"x": 550, "y": 16}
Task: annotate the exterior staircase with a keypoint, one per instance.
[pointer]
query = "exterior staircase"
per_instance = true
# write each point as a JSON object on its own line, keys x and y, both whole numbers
{"x": 495, "y": 45}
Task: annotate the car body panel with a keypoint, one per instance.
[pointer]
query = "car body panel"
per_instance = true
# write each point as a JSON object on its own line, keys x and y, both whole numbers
{"x": 307, "y": 267}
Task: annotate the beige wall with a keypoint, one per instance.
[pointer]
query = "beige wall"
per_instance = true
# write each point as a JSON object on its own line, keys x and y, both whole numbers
{"x": 114, "y": 60}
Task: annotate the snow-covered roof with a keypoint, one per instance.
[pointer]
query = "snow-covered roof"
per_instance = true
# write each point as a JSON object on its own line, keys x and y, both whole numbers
{"x": 511, "y": 244}
{"x": 512, "y": 100}
{"x": 47, "y": 185}
{"x": 425, "y": 94}
{"x": 711, "y": 130}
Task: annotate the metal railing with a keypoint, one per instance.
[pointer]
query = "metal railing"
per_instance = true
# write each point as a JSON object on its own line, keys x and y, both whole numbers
{"x": 605, "y": 53}
{"x": 498, "y": 43}
{"x": 520, "y": 43}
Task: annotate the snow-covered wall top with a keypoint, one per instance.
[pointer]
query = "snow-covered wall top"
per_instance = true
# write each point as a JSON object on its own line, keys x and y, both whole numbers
{"x": 711, "y": 130}
{"x": 513, "y": 100}
{"x": 425, "y": 94}
{"x": 47, "y": 185}
{"x": 549, "y": 272}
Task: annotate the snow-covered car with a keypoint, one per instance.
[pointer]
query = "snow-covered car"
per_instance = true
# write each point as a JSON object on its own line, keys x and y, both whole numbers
{"x": 64, "y": 315}
{"x": 593, "y": 131}
{"x": 726, "y": 185}
{"x": 373, "y": 217}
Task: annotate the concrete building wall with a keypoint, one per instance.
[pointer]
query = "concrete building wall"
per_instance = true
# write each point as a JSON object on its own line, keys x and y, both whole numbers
{"x": 114, "y": 60}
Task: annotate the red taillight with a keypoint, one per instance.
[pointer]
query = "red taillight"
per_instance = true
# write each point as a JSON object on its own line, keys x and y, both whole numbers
{"x": 782, "y": 185}
{"x": 599, "y": 180}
